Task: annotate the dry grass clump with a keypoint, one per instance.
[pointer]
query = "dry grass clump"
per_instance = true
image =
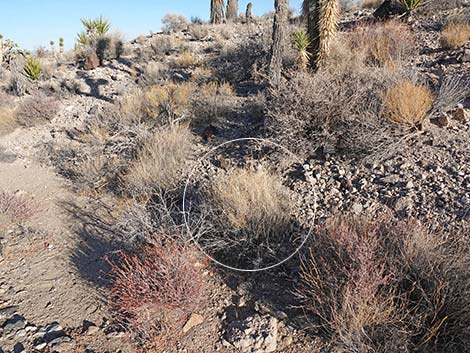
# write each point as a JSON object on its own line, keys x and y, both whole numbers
{"x": 254, "y": 200}
{"x": 248, "y": 219}
{"x": 201, "y": 74}
{"x": 172, "y": 100}
{"x": 17, "y": 207}
{"x": 455, "y": 35}
{"x": 36, "y": 109}
{"x": 212, "y": 101}
{"x": 160, "y": 162}
{"x": 198, "y": 31}
{"x": 384, "y": 285}
{"x": 8, "y": 121}
{"x": 154, "y": 291}
{"x": 162, "y": 104}
{"x": 384, "y": 44}
{"x": 185, "y": 60}
{"x": 407, "y": 103}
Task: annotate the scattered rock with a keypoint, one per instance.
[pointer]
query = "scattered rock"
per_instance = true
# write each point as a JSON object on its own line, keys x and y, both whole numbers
{"x": 466, "y": 55}
{"x": 255, "y": 334}
{"x": 441, "y": 121}
{"x": 194, "y": 320}
{"x": 14, "y": 324}
{"x": 460, "y": 114}
{"x": 91, "y": 330}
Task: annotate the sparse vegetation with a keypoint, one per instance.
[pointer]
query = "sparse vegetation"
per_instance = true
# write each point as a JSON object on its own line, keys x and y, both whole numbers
{"x": 17, "y": 207}
{"x": 36, "y": 109}
{"x": 160, "y": 162}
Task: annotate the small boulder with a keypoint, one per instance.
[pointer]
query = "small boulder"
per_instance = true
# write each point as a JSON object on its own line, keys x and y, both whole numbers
{"x": 466, "y": 56}
{"x": 460, "y": 114}
{"x": 441, "y": 120}
{"x": 92, "y": 61}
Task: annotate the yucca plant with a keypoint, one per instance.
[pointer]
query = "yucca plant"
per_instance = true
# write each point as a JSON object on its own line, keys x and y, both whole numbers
{"x": 32, "y": 68}
{"x": 61, "y": 46}
{"x": 94, "y": 29}
{"x": 322, "y": 18}
{"x": 301, "y": 44}
{"x": 53, "y": 51}
{"x": 412, "y": 4}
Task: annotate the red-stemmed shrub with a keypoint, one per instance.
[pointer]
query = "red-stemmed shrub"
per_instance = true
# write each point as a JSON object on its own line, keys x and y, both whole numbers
{"x": 385, "y": 285}
{"x": 154, "y": 292}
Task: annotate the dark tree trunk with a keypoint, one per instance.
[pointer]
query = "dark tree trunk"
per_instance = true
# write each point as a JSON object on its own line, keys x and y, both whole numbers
{"x": 232, "y": 10}
{"x": 217, "y": 11}
{"x": 279, "y": 38}
{"x": 248, "y": 14}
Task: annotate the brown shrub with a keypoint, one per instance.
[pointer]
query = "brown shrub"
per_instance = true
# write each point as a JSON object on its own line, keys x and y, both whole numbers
{"x": 185, "y": 60}
{"x": 455, "y": 35}
{"x": 154, "y": 292}
{"x": 160, "y": 162}
{"x": 339, "y": 110}
{"x": 382, "y": 285}
{"x": 212, "y": 101}
{"x": 8, "y": 121}
{"x": 36, "y": 109}
{"x": 407, "y": 103}
{"x": 384, "y": 44}
{"x": 198, "y": 31}
{"x": 162, "y": 45}
{"x": 174, "y": 23}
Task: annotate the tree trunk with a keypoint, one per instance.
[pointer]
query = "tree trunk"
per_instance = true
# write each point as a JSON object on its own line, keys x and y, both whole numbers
{"x": 279, "y": 38}
{"x": 217, "y": 11}
{"x": 232, "y": 10}
{"x": 248, "y": 14}
{"x": 322, "y": 19}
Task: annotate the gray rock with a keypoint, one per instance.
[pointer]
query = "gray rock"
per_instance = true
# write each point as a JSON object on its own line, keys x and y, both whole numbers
{"x": 14, "y": 324}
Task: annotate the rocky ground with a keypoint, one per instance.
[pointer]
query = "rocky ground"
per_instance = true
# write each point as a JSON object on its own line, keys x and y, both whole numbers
{"x": 52, "y": 284}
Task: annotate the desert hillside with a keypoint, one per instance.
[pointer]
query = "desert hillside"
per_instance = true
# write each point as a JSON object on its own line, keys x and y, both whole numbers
{"x": 275, "y": 183}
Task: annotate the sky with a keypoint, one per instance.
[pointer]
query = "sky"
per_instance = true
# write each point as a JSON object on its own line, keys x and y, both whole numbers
{"x": 34, "y": 23}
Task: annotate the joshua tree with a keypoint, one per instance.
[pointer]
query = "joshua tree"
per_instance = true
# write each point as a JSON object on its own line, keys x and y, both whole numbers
{"x": 232, "y": 10}
{"x": 53, "y": 51}
{"x": 61, "y": 46}
{"x": 217, "y": 11}
{"x": 248, "y": 14}
{"x": 1, "y": 50}
{"x": 279, "y": 38}
{"x": 322, "y": 18}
